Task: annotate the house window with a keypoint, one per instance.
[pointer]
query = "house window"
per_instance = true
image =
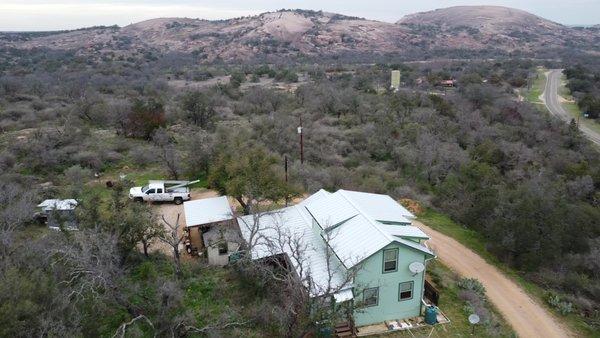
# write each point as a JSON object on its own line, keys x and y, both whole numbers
{"x": 405, "y": 291}
{"x": 371, "y": 297}
{"x": 390, "y": 260}
{"x": 223, "y": 249}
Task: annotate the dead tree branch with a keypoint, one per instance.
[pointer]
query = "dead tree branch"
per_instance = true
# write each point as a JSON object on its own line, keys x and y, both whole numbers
{"x": 123, "y": 328}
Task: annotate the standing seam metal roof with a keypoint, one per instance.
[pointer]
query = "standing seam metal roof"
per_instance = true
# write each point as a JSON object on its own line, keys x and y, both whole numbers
{"x": 358, "y": 234}
{"x": 208, "y": 210}
{"x": 361, "y": 234}
{"x": 294, "y": 223}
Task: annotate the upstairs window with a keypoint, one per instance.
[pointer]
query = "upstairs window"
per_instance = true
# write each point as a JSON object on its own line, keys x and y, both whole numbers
{"x": 371, "y": 297}
{"x": 390, "y": 260}
{"x": 405, "y": 291}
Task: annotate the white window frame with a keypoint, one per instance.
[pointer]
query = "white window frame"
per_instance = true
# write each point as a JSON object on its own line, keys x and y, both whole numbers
{"x": 400, "y": 290}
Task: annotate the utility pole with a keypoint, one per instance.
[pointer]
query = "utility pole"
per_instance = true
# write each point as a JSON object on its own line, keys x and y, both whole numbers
{"x": 286, "y": 169}
{"x": 286, "y": 179}
{"x": 301, "y": 142}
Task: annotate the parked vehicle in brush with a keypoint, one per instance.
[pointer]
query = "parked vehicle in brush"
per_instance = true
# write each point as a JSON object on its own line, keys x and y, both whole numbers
{"x": 162, "y": 191}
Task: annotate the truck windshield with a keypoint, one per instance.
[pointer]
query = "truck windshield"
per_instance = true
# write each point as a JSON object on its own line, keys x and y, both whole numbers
{"x": 144, "y": 189}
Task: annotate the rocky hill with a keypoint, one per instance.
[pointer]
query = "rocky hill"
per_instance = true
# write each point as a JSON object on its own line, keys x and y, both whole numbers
{"x": 486, "y": 19}
{"x": 291, "y": 33}
{"x": 479, "y": 27}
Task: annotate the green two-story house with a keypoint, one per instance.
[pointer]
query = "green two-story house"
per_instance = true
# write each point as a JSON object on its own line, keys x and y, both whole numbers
{"x": 360, "y": 248}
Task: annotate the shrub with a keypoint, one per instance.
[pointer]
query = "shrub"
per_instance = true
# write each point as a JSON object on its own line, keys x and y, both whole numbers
{"x": 562, "y": 306}
{"x": 38, "y": 105}
{"x": 471, "y": 284}
{"x": 144, "y": 118}
{"x": 142, "y": 156}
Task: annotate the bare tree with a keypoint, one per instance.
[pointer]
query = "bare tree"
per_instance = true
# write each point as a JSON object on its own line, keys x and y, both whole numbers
{"x": 123, "y": 327}
{"x": 167, "y": 153}
{"x": 199, "y": 108}
{"x": 16, "y": 208}
{"x": 307, "y": 296}
{"x": 173, "y": 239}
{"x": 151, "y": 231}
{"x": 252, "y": 228}
{"x": 93, "y": 266}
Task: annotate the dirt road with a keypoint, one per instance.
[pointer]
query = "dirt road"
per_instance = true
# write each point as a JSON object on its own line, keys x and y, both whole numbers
{"x": 527, "y": 318}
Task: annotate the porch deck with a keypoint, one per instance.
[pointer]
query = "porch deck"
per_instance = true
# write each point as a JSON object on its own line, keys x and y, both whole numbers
{"x": 399, "y": 325}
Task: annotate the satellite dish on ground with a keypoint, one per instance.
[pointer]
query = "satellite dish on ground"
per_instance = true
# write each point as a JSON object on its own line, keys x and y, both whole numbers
{"x": 416, "y": 267}
{"x": 473, "y": 319}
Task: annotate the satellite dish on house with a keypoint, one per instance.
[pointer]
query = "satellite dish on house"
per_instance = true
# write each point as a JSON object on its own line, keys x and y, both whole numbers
{"x": 473, "y": 319}
{"x": 416, "y": 267}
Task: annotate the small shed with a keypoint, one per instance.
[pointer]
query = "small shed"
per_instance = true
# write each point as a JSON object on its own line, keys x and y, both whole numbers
{"x": 212, "y": 226}
{"x": 220, "y": 242}
{"x": 57, "y": 212}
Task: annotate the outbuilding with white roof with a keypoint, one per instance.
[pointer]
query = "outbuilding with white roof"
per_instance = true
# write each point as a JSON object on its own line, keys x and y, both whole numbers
{"x": 207, "y": 211}
{"x": 211, "y": 229}
{"x": 58, "y": 213}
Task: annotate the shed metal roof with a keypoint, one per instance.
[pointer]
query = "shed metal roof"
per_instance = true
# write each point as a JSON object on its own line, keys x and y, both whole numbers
{"x": 57, "y": 204}
{"x": 206, "y": 211}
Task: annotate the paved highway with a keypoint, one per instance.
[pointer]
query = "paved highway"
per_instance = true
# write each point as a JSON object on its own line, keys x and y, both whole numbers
{"x": 552, "y": 100}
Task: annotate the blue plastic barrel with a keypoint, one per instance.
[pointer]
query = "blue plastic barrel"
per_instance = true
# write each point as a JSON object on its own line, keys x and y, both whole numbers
{"x": 431, "y": 315}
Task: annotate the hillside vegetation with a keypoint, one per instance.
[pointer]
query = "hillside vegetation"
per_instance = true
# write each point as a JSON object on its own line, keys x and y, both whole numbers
{"x": 456, "y": 32}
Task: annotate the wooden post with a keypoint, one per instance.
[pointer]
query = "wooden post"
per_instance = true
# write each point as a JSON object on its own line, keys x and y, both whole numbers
{"x": 286, "y": 179}
{"x": 286, "y": 169}
{"x": 301, "y": 142}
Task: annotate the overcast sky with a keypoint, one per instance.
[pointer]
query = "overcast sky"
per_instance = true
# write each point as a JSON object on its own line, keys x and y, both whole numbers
{"x": 19, "y": 15}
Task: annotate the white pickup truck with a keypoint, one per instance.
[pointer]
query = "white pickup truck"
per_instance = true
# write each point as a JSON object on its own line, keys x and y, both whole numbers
{"x": 162, "y": 191}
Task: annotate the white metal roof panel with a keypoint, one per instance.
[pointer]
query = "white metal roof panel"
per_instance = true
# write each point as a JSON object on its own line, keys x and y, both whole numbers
{"x": 207, "y": 211}
{"x": 277, "y": 228}
{"x": 343, "y": 295}
{"x": 315, "y": 198}
{"x": 356, "y": 239}
{"x": 57, "y": 204}
{"x": 416, "y": 246}
{"x": 331, "y": 210}
{"x": 379, "y": 207}
{"x": 403, "y": 231}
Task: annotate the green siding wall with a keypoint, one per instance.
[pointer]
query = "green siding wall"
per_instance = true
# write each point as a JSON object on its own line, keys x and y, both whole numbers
{"x": 389, "y": 307}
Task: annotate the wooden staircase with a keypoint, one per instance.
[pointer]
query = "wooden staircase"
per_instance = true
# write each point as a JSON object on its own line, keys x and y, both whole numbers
{"x": 345, "y": 330}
